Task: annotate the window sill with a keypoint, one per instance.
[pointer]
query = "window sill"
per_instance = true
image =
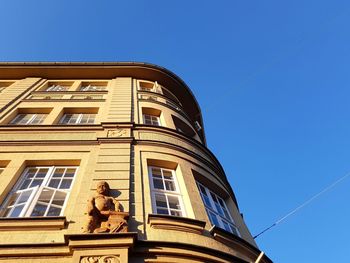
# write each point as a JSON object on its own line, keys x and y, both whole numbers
{"x": 32, "y": 223}
{"x": 176, "y": 223}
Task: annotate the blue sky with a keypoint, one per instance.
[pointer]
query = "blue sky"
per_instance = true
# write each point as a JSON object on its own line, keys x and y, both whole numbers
{"x": 273, "y": 76}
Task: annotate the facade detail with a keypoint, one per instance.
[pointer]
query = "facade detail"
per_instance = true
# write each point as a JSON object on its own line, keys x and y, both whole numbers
{"x": 108, "y": 162}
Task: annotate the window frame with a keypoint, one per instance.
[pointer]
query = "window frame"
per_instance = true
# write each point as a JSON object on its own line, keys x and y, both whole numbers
{"x": 78, "y": 120}
{"x": 57, "y": 87}
{"x": 152, "y": 121}
{"x": 176, "y": 193}
{"x": 30, "y": 120}
{"x": 212, "y": 208}
{"x": 36, "y": 191}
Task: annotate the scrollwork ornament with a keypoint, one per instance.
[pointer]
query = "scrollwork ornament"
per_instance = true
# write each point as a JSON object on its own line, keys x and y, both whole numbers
{"x": 100, "y": 259}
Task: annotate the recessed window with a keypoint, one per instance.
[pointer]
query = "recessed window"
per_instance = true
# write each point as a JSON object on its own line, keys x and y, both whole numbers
{"x": 78, "y": 118}
{"x": 150, "y": 86}
{"x": 217, "y": 210}
{"x": 151, "y": 120}
{"x": 29, "y": 119}
{"x": 57, "y": 87}
{"x": 40, "y": 191}
{"x": 4, "y": 85}
{"x": 166, "y": 197}
{"x": 183, "y": 127}
{"x": 92, "y": 86}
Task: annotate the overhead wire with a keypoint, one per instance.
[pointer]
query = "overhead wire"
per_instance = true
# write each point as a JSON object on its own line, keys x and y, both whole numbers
{"x": 308, "y": 201}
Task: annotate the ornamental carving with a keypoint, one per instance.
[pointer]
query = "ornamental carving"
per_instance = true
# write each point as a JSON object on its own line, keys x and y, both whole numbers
{"x": 100, "y": 259}
{"x": 117, "y": 133}
{"x": 104, "y": 215}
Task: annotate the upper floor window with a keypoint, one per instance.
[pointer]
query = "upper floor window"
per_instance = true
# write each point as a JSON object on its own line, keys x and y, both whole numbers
{"x": 78, "y": 118}
{"x": 217, "y": 210}
{"x": 92, "y": 87}
{"x": 151, "y": 120}
{"x": 29, "y": 119}
{"x": 57, "y": 87}
{"x": 166, "y": 196}
{"x": 40, "y": 191}
{"x": 150, "y": 86}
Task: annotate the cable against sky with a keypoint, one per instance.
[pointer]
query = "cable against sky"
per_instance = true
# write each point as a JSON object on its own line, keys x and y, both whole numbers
{"x": 329, "y": 187}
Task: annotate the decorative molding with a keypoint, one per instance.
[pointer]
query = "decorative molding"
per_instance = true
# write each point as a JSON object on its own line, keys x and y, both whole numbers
{"x": 176, "y": 223}
{"x": 117, "y": 133}
{"x": 100, "y": 259}
{"x": 32, "y": 223}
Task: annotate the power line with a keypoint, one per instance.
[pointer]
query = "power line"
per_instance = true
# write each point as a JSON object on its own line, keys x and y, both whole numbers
{"x": 303, "y": 204}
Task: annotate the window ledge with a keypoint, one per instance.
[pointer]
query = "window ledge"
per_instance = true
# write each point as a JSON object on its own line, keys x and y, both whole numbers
{"x": 33, "y": 223}
{"x": 176, "y": 223}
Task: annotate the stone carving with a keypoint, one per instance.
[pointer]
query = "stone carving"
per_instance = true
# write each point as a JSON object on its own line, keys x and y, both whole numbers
{"x": 100, "y": 259}
{"x": 104, "y": 215}
{"x": 117, "y": 133}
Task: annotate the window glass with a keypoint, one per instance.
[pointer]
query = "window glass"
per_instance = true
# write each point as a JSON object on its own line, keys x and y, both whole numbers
{"x": 217, "y": 210}
{"x": 166, "y": 197}
{"x": 40, "y": 191}
{"x": 78, "y": 118}
{"x": 29, "y": 119}
{"x": 151, "y": 120}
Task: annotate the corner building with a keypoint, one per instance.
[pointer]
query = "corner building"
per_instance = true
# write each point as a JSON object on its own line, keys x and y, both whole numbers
{"x": 67, "y": 126}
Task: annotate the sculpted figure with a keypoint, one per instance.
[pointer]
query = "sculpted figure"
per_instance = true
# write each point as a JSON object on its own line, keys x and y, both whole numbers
{"x": 104, "y": 215}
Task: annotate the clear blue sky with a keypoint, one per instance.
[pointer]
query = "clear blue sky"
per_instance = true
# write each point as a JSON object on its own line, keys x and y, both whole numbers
{"x": 273, "y": 76}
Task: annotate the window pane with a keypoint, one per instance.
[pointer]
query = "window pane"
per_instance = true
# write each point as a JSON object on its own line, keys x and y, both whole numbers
{"x": 24, "y": 197}
{"x": 13, "y": 199}
{"x": 174, "y": 202}
{"x": 45, "y": 196}
{"x": 161, "y": 200}
{"x": 156, "y": 172}
{"x": 175, "y": 213}
{"x": 167, "y": 174}
{"x": 65, "y": 184}
{"x": 58, "y": 172}
{"x": 39, "y": 210}
{"x": 25, "y": 184}
{"x": 59, "y": 198}
{"x": 42, "y": 173}
{"x": 54, "y": 211}
{"x": 213, "y": 218}
{"x": 36, "y": 182}
{"x": 54, "y": 183}
{"x": 169, "y": 185}
{"x": 70, "y": 173}
{"x": 162, "y": 211}
{"x": 16, "y": 211}
{"x": 158, "y": 184}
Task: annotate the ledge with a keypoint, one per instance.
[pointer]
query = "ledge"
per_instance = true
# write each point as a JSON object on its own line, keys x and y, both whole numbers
{"x": 33, "y": 223}
{"x": 176, "y": 223}
{"x": 238, "y": 243}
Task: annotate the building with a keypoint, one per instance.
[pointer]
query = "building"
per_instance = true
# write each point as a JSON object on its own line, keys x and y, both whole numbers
{"x": 67, "y": 127}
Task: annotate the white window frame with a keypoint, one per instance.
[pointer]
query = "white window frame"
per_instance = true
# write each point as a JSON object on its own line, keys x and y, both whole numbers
{"x": 92, "y": 88}
{"x": 37, "y": 190}
{"x": 57, "y": 87}
{"x": 176, "y": 193}
{"x": 30, "y": 120}
{"x": 214, "y": 209}
{"x": 78, "y": 120}
{"x": 155, "y": 120}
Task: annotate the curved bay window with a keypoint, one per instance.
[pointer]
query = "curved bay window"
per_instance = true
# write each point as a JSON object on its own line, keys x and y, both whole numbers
{"x": 40, "y": 191}
{"x": 217, "y": 210}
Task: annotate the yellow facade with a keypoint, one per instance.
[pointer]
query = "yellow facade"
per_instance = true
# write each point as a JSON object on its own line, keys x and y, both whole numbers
{"x": 66, "y": 126}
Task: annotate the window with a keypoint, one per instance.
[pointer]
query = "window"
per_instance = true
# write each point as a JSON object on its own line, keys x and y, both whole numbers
{"x": 217, "y": 210}
{"x": 56, "y": 87}
{"x": 29, "y": 119}
{"x": 91, "y": 87}
{"x": 78, "y": 118}
{"x": 150, "y": 86}
{"x": 166, "y": 197}
{"x": 40, "y": 191}
{"x": 151, "y": 120}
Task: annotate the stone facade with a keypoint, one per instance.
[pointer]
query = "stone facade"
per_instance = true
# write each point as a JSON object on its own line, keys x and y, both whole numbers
{"x": 65, "y": 127}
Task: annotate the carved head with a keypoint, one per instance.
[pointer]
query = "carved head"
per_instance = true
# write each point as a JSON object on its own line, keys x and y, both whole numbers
{"x": 102, "y": 188}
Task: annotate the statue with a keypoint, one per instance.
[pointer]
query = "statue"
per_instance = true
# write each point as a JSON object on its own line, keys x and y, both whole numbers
{"x": 104, "y": 215}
